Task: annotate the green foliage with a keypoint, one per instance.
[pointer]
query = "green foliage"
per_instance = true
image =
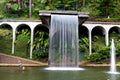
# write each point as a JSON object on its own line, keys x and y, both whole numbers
{"x": 5, "y": 40}
{"x": 40, "y": 45}
{"x": 5, "y": 32}
{"x": 14, "y": 7}
{"x": 100, "y": 51}
{"x": 24, "y": 36}
{"x": 95, "y": 7}
{"x": 95, "y": 38}
{"x": 94, "y": 57}
{"x": 92, "y": 8}
{"x": 115, "y": 18}
{"x": 40, "y": 54}
{"x": 105, "y": 52}
{"x": 99, "y": 55}
{"x": 41, "y": 39}
{"x": 83, "y": 44}
{"x": 24, "y": 39}
{"x": 118, "y": 48}
{"x": 2, "y": 8}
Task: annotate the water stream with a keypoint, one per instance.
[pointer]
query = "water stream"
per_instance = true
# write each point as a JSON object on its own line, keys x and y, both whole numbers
{"x": 113, "y": 57}
{"x": 113, "y": 69}
{"x": 63, "y": 49}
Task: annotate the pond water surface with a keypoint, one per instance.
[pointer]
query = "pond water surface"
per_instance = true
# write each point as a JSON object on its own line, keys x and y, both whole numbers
{"x": 39, "y": 73}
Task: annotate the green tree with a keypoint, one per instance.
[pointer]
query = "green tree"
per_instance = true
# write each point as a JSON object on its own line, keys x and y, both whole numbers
{"x": 116, "y": 9}
{"x": 2, "y": 8}
{"x": 106, "y": 6}
{"x": 23, "y": 37}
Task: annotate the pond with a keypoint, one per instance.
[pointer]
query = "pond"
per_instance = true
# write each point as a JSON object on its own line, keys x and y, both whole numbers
{"x": 39, "y": 73}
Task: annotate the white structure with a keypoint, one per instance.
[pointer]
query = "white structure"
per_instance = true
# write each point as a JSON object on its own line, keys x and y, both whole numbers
{"x": 15, "y": 24}
{"x": 32, "y": 24}
{"x": 105, "y": 30}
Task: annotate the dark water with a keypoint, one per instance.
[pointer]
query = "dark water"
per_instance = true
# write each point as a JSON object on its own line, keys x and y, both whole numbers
{"x": 38, "y": 73}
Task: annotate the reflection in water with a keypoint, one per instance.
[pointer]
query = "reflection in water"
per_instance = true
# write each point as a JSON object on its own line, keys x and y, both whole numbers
{"x": 64, "y": 75}
{"x": 39, "y": 73}
{"x": 113, "y": 77}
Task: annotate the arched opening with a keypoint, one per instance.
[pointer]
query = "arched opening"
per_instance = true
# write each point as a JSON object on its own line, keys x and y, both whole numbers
{"x": 98, "y": 38}
{"x": 41, "y": 43}
{"x": 114, "y": 33}
{"x": 5, "y": 38}
{"x": 83, "y": 42}
{"x": 22, "y": 43}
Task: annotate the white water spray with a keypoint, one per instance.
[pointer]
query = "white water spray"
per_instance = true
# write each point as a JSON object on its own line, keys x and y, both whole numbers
{"x": 63, "y": 50}
{"x": 113, "y": 57}
{"x": 113, "y": 69}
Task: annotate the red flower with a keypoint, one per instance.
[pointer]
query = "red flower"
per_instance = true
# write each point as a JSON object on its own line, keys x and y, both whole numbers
{"x": 16, "y": 1}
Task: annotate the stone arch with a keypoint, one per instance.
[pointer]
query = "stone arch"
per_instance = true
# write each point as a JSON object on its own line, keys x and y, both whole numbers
{"x": 6, "y": 25}
{"x": 98, "y": 37}
{"x": 41, "y": 27}
{"x": 41, "y": 37}
{"x": 83, "y": 30}
{"x": 23, "y": 26}
{"x": 99, "y": 30}
{"x": 6, "y": 38}
{"x": 24, "y": 49}
{"x": 114, "y": 32}
{"x": 83, "y": 37}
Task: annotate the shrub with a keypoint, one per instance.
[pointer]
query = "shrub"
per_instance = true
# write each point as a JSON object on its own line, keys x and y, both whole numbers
{"x": 101, "y": 54}
{"x": 118, "y": 48}
{"x": 105, "y": 52}
{"x": 94, "y": 57}
{"x": 40, "y": 54}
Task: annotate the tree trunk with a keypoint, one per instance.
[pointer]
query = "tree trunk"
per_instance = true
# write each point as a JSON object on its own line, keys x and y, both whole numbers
{"x": 30, "y": 8}
{"x": 107, "y": 11}
{"x": 84, "y": 2}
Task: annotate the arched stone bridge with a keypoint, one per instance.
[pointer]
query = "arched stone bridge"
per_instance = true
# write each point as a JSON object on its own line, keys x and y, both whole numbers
{"x": 87, "y": 28}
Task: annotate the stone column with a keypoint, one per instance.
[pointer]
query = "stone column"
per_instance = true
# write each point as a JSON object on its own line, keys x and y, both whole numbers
{"x": 13, "y": 41}
{"x": 107, "y": 38}
{"x": 90, "y": 42}
{"x": 31, "y": 44}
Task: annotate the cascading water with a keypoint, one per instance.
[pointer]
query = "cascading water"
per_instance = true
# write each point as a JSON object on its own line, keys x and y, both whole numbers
{"x": 63, "y": 49}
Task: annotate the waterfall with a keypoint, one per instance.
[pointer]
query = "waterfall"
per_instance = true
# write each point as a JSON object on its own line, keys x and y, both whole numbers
{"x": 63, "y": 47}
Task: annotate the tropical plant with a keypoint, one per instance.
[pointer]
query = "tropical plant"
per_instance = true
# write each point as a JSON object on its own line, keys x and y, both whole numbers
{"x": 23, "y": 37}
{"x": 83, "y": 44}
{"x": 5, "y": 40}
{"x": 99, "y": 55}
{"x": 95, "y": 7}
{"x": 40, "y": 45}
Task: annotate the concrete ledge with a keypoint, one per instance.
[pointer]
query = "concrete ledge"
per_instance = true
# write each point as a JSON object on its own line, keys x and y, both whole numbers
{"x": 27, "y": 65}
{"x": 8, "y": 60}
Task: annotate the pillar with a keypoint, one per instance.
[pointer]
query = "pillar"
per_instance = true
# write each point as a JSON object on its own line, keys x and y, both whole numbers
{"x": 31, "y": 44}
{"x": 90, "y": 42}
{"x": 13, "y": 41}
{"x": 107, "y": 38}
